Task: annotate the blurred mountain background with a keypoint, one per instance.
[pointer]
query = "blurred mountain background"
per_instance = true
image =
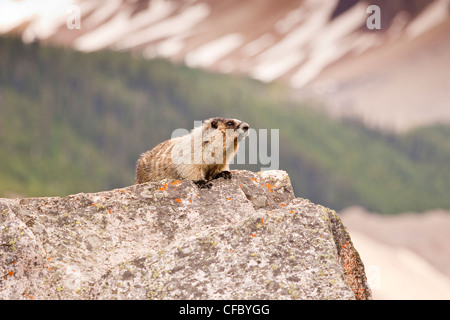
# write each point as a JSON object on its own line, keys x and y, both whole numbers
{"x": 364, "y": 115}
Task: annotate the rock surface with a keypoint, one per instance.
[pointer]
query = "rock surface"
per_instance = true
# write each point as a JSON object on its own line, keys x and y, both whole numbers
{"x": 245, "y": 238}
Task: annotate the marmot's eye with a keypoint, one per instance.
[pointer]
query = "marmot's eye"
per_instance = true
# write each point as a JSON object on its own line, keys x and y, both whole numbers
{"x": 230, "y": 123}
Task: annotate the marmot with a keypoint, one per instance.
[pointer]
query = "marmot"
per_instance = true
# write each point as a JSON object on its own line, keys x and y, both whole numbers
{"x": 202, "y": 155}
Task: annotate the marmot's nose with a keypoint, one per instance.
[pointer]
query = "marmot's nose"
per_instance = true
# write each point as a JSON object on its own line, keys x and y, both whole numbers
{"x": 244, "y": 126}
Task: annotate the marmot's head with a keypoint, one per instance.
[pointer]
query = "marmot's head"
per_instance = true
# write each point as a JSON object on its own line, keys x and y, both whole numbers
{"x": 224, "y": 134}
{"x": 215, "y": 142}
{"x": 233, "y": 129}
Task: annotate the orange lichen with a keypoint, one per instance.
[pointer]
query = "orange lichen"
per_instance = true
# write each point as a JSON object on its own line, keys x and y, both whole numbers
{"x": 349, "y": 263}
{"x": 253, "y": 179}
{"x": 283, "y": 204}
{"x": 228, "y": 198}
{"x": 163, "y": 188}
{"x": 176, "y": 182}
{"x": 292, "y": 211}
{"x": 177, "y": 200}
{"x": 25, "y": 294}
{"x": 269, "y": 187}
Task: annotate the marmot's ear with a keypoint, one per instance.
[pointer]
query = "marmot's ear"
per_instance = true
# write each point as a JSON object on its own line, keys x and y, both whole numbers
{"x": 214, "y": 124}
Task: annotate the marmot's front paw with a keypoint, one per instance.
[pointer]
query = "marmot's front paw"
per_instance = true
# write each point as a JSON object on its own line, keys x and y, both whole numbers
{"x": 203, "y": 184}
{"x": 224, "y": 174}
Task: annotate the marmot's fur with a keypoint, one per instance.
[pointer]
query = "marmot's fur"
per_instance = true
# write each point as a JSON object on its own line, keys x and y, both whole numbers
{"x": 202, "y": 155}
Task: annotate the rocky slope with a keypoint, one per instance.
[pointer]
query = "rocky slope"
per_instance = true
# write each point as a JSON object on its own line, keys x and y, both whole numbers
{"x": 323, "y": 48}
{"x": 289, "y": 39}
{"x": 248, "y": 238}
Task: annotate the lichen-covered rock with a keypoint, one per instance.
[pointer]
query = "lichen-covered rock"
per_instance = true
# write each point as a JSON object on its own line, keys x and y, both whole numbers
{"x": 245, "y": 238}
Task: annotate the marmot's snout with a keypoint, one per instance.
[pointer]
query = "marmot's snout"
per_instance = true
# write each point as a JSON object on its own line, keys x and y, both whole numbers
{"x": 243, "y": 130}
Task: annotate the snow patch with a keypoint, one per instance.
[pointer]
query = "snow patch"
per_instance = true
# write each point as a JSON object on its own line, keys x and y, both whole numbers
{"x": 122, "y": 24}
{"x": 434, "y": 14}
{"x": 46, "y": 16}
{"x": 170, "y": 47}
{"x": 100, "y": 15}
{"x": 297, "y": 38}
{"x": 258, "y": 45}
{"x": 273, "y": 69}
{"x": 174, "y": 26}
{"x": 290, "y": 20}
{"x": 209, "y": 53}
{"x": 327, "y": 47}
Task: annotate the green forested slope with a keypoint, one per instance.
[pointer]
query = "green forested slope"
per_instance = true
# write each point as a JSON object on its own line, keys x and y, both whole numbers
{"x": 73, "y": 122}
